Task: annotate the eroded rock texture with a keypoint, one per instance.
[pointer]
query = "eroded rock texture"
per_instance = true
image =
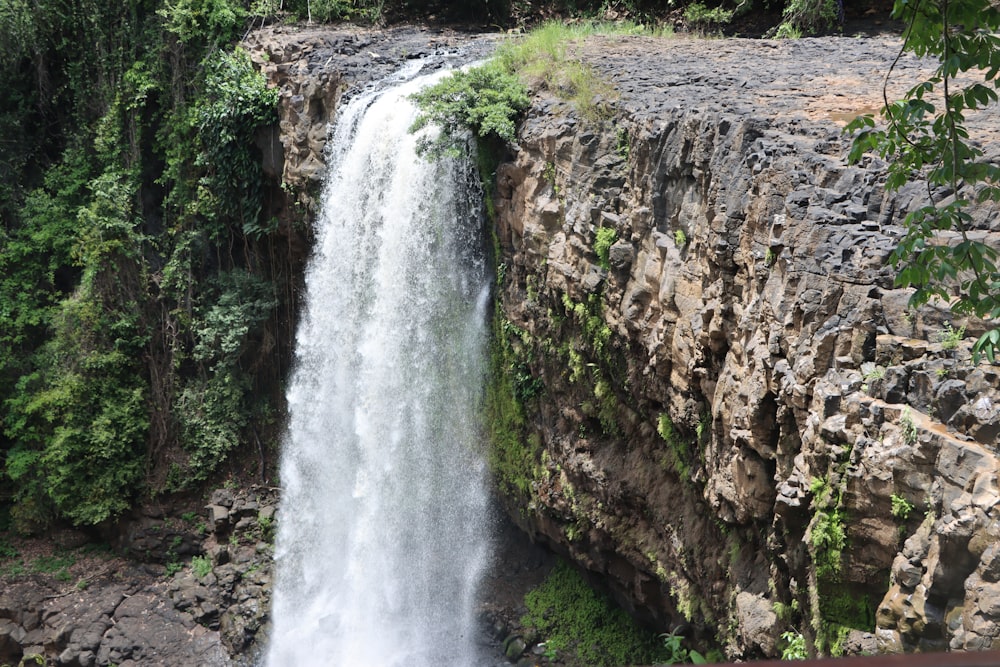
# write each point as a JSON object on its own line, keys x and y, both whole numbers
{"x": 731, "y": 414}
{"x": 109, "y": 610}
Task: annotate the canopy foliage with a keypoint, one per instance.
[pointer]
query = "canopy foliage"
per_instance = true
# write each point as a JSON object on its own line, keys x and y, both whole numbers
{"x": 944, "y": 252}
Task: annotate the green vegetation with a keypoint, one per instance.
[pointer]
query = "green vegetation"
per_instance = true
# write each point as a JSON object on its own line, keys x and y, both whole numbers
{"x": 901, "y": 507}
{"x": 49, "y": 564}
{"x": 842, "y": 610}
{"x": 908, "y": 427}
{"x": 486, "y": 99}
{"x": 809, "y": 17}
{"x": 201, "y": 566}
{"x": 838, "y": 608}
{"x": 950, "y": 337}
{"x": 590, "y": 360}
{"x": 7, "y": 551}
{"x": 870, "y": 374}
{"x": 544, "y": 59}
{"x": 138, "y": 270}
{"x": 513, "y": 455}
{"x": 827, "y": 538}
{"x": 585, "y": 628}
{"x": 927, "y": 136}
{"x": 265, "y": 527}
{"x": 680, "y": 238}
{"x": 680, "y": 452}
{"x": 794, "y": 646}
{"x": 705, "y": 20}
{"x": 678, "y": 654}
{"x": 605, "y": 237}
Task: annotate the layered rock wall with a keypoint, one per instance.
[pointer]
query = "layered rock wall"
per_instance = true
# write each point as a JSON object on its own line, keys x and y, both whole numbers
{"x": 719, "y": 404}
{"x": 732, "y": 416}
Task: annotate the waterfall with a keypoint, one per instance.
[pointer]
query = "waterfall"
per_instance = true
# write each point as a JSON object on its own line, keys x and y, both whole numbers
{"x": 383, "y": 522}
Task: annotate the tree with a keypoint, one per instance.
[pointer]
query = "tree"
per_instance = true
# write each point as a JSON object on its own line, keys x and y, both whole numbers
{"x": 943, "y": 253}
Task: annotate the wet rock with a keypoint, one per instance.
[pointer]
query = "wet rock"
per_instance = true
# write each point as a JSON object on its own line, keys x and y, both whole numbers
{"x": 514, "y": 647}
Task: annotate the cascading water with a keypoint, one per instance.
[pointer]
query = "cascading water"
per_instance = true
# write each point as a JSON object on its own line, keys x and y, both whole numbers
{"x": 383, "y": 526}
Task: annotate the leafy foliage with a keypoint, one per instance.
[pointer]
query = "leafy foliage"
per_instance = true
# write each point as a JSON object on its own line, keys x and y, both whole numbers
{"x": 605, "y": 237}
{"x": 486, "y": 99}
{"x": 810, "y": 17}
{"x": 213, "y": 408}
{"x": 586, "y": 628}
{"x": 677, "y": 653}
{"x": 704, "y": 19}
{"x": 795, "y": 646}
{"x": 213, "y": 21}
{"x": 131, "y": 238}
{"x": 79, "y": 420}
{"x": 927, "y": 136}
{"x": 201, "y": 566}
{"x": 827, "y": 535}
{"x": 513, "y": 455}
{"x": 901, "y": 507}
{"x": 235, "y": 103}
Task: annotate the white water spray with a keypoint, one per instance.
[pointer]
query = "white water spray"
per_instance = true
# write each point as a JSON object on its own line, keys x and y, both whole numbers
{"x": 383, "y": 525}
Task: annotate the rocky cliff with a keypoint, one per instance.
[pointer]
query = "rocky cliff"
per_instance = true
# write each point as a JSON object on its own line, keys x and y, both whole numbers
{"x": 729, "y": 413}
{"x": 706, "y": 390}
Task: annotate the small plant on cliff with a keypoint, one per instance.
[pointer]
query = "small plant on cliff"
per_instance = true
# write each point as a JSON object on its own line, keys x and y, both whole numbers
{"x": 769, "y": 258}
{"x": 623, "y": 144}
{"x": 550, "y": 176}
{"x": 677, "y": 653}
{"x": 901, "y": 507}
{"x": 680, "y": 238}
{"x": 680, "y": 452}
{"x": 950, "y": 337}
{"x": 604, "y": 239}
{"x": 827, "y": 535}
{"x": 871, "y": 374}
{"x": 795, "y": 646}
{"x": 908, "y": 426}
{"x": 201, "y": 566}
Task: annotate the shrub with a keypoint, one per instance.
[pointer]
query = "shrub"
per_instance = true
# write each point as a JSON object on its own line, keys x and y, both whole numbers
{"x": 795, "y": 646}
{"x": 585, "y": 627}
{"x": 809, "y": 17}
{"x": 215, "y": 21}
{"x": 486, "y": 99}
{"x": 901, "y": 507}
{"x": 701, "y": 18}
{"x": 827, "y": 536}
{"x": 605, "y": 238}
{"x": 950, "y": 337}
{"x": 201, "y": 566}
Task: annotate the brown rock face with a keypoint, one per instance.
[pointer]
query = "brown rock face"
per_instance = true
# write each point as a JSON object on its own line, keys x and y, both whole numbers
{"x": 738, "y": 423}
